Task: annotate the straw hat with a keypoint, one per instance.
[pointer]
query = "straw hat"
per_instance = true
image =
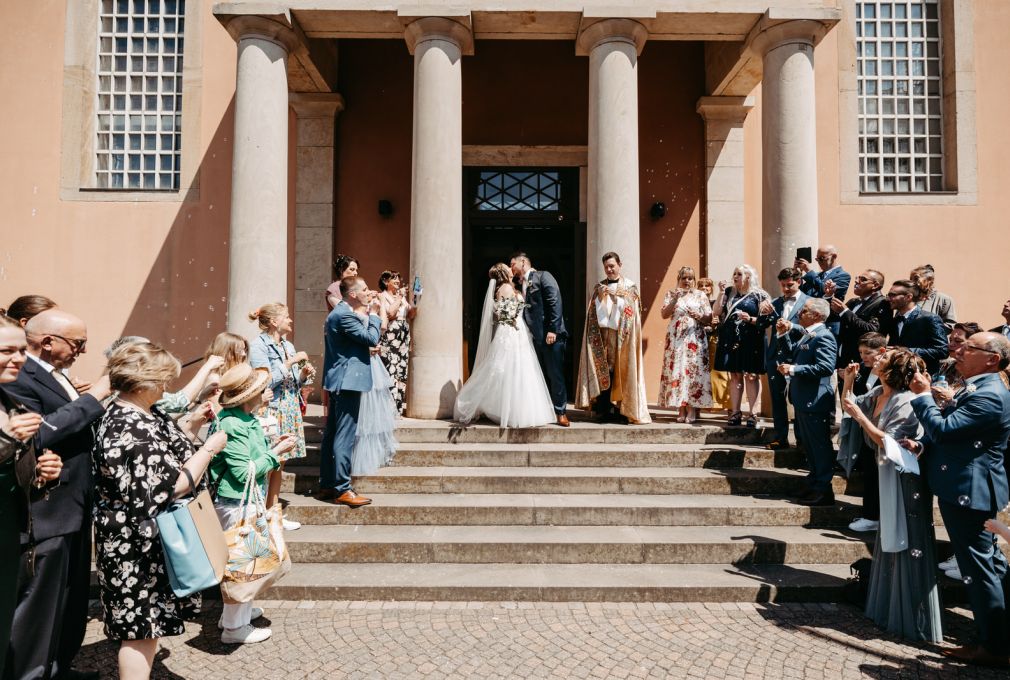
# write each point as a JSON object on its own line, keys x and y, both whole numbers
{"x": 241, "y": 383}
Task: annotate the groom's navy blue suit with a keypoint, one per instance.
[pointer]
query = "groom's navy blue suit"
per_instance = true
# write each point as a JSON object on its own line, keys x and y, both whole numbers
{"x": 543, "y": 315}
{"x": 346, "y": 374}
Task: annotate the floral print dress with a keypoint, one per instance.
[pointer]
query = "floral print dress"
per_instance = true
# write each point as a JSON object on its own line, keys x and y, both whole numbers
{"x": 137, "y": 458}
{"x": 394, "y": 350}
{"x": 685, "y": 379}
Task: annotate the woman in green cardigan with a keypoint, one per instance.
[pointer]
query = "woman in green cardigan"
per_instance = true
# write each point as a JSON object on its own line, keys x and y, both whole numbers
{"x": 243, "y": 391}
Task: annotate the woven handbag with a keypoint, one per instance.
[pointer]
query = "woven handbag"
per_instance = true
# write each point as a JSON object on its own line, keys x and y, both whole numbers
{"x": 194, "y": 545}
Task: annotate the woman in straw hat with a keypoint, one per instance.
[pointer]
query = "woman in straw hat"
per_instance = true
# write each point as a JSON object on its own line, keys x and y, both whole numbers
{"x": 243, "y": 391}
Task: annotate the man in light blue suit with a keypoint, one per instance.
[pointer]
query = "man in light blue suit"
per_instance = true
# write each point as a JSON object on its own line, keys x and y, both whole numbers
{"x": 787, "y": 306}
{"x": 963, "y": 449}
{"x": 810, "y": 363}
{"x": 346, "y": 374}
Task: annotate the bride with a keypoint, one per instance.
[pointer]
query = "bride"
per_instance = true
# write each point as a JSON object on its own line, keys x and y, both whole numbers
{"x": 506, "y": 384}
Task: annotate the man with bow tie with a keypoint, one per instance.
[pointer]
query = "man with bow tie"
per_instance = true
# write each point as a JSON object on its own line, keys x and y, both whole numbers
{"x": 921, "y": 333}
{"x": 811, "y": 364}
{"x": 963, "y": 449}
{"x": 787, "y": 306}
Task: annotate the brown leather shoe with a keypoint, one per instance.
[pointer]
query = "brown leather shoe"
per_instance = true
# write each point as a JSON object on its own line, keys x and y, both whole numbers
{"x": 977, "y": 655}
{"x": 563, "y": 420}
{"x": 353, "y": 500}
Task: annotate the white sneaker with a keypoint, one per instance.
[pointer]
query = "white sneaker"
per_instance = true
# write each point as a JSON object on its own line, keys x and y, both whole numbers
{"x": 954, "y": 573}
{"x": 864, "y": 525}
{"x": 247, "y": 634}
{"x": 290, "y": 524}
{"x": 947, "y": 565}
{"x": 256, "y": 613}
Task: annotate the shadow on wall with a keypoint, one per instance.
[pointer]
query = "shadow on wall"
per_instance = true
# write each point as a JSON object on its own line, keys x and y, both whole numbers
{"x": 183, "y": 303}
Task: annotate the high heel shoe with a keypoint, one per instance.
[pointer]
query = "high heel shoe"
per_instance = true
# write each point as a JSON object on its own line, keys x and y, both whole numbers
{"x": 752, "y": 421}
{"x": 735, "y": 418}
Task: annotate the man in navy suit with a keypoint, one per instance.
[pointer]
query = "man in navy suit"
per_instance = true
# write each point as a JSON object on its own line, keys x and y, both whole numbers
{"x": 963, "y": 449}
{"x": 347, "y": 374}
{"x": 52, "y": 612}
{"x": 831, "y": 281}
{"x": 787, "y": 306}
{"x": 811, "y": 363}
{"x": 921, "y": 333}
{"x": 546, "y": 323}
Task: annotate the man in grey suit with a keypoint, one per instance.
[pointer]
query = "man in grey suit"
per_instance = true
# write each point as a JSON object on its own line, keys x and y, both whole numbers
{"x": 963, "y": 448}
{"x": 346, "y": 374}
{"x": 809, "y": 370}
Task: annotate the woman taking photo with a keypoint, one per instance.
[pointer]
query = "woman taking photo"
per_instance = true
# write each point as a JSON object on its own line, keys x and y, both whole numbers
{"x": 141, "y": 458}
{"x": 741, "y": 348}
{"x": 685, "y": 383}
{"x": 394, "y": 345}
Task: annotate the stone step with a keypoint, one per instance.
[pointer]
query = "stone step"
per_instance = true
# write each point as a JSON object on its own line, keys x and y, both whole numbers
{"x": 583, "y": 455}
{"x": 575, "y": 510}
{"x": 579, "y": 544}
{"x": 572, "y": 480}
{"x": 564, "y": 582}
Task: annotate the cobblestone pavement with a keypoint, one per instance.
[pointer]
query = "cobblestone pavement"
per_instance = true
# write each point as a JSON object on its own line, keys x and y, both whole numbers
{"x": 543, "y": 640}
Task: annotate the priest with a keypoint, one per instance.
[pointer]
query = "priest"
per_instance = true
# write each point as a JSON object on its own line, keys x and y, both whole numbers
{"x": 611, "y": 379}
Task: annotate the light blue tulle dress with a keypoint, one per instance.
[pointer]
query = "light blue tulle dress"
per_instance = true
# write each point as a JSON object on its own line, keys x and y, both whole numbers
{"x": 375, "y": 442}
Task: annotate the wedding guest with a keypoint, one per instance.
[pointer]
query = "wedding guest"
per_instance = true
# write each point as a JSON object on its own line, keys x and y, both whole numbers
{"x": 810, "y": 365}
{"x": 902, "y": 597}
{"x": 614, "y": 327}
{"x": 854, "y": 452}
{"x": 868, "y": 312}
{"x": 244, "y": 390}
{"x": 143, "y": 462}
{"x": 787, "y": 306}
{"x": 343, "y": 265}
{"x": 948, "y": 367}
{"x": 27, "y": 306}
{"x": 394, "y": 346}
{"x": 719, "y": 379}
{"x": 1003, "y": 329}
{"x": 931, "y": 300}
{"x": 831, "y": 281}
{"x": 741, "y": 348}
{"x": 17, "y": 430}
{"x": 684, "y": 383}
{"x": 52, "y": 611}
{"x": 231, "y": 347}
{"x": 374, "y": 438}
{"x": 289, "y": 372}
{"x": 918, "y": 331}
{"x": 963, "y": 449}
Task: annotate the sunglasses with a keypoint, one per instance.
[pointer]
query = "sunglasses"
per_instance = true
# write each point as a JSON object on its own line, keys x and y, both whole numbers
{"x": 965, "y": 347}
{"x": 76, "y": 344}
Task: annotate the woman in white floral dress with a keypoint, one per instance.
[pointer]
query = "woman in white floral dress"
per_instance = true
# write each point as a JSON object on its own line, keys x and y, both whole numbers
{"x": 685, "y": 383}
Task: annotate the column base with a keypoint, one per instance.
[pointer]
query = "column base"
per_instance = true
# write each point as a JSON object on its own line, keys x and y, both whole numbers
{"x": 432, "y": 386}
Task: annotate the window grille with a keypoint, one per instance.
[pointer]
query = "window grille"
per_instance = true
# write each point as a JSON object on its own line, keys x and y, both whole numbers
{"x": 518, "y": 191}
{"x": 138, "y": 127}
{"x": 900, "y": 95}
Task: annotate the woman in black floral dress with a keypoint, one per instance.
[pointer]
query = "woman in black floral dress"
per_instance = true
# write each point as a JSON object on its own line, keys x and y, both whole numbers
{"x": 394, "y": 346}
{"x": 139, "y": 456}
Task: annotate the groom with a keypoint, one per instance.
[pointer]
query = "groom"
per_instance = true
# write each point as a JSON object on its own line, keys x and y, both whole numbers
{"x": 547, "y": 326}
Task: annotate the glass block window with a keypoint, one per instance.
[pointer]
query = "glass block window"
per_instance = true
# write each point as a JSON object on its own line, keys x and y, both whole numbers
{"x": 518, "y": 191}
{"x": 898, "y": 65}
{"x": 138, "y": 127}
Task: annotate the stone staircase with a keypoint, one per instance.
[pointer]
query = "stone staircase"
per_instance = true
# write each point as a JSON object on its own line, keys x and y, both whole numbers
{"x": 663, "y": 512}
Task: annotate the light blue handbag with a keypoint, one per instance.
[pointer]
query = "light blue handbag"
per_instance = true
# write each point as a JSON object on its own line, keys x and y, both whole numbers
{"x": 193, "y": 542}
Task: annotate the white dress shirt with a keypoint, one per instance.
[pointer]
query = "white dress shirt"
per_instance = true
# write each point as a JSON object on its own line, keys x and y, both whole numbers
{"x": 59, "y": 376}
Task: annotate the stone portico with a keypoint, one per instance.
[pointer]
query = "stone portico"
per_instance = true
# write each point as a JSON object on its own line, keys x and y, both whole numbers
{"x": 287, "y": 61}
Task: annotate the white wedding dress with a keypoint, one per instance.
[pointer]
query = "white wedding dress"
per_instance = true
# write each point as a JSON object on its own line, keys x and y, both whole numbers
{"x": 506, "y": 384}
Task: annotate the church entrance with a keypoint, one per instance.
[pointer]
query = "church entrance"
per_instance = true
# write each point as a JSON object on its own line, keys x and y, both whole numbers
{"x": 530, "y": 210}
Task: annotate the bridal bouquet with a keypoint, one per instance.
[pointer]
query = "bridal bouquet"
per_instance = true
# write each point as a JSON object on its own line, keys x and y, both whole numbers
{"x": 507, "y": 311}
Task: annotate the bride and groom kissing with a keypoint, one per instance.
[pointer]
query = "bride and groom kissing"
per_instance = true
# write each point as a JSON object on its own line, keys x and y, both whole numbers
{"x": 522, "y": 340}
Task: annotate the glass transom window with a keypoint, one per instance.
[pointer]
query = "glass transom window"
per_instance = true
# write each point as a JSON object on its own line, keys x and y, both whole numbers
{"x": 899, "y": 91}
{"x": 518, "y": 191}
{"x": 140, "y": 47}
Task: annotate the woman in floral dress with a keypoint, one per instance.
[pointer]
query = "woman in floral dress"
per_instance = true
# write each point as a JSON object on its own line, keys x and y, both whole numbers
{"x": 394, "y": 346}
{"x": 139, "y": 458}
{"x": 685, "y": 383}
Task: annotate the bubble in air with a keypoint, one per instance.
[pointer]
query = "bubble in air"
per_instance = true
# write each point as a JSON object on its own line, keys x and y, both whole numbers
{"x": 916, "y": 495}
{"x": 915, "y": 552}
{"x": 977, "y": 445}
{"x": 967, "y": 580}
{"x": 943, "y": 468}
{"x": 963, "y": 501}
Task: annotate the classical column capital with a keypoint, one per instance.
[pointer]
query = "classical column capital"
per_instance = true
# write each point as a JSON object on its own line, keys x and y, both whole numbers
{"x": 277, "y": 28}
{"x": 730, "y": 109}
{"x": 439, "y": 28}
{"x": 610, "y": 30}
{"x": 769, "y": 34}
{"x": 316, "y": 104}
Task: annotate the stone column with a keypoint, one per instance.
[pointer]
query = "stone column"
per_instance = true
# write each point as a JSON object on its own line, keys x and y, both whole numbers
{"x": 788, "y": 143}
{"x": 613, "y": 46}
{"x": 258, "y": 240}
{"x": 724, "y": 188}
{"x": 436, "y": 214}
{"x": 316, "y": 114}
